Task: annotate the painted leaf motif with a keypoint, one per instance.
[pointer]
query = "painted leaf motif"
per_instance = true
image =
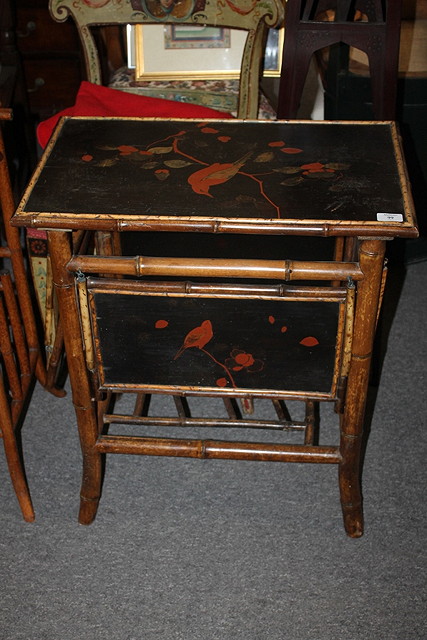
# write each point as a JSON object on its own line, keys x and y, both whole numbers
{"x": 150, "y": 165}
{"x": 291, "y": 182}
{"x": 126, "y": 149}
{"x": 177, "y": 164}
{"x": 309, "y": 341}
{"x": 160, "y": 150}
{"x": 108, "y": 162}
{"x": 313, "y": 166}
{"x": 267, "y": 156}
{"x": 161, "y": 324}
{"x": 291, "y": 150}
{"x": 288, "y": 170}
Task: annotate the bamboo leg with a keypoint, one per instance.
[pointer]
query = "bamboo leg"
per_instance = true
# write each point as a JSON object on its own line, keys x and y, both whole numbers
{"x": 8, "y": 355}
{"x": 368, "y": 295}
{"x": 310, "y": 421}
{"x": 232, "y": 408}
{"x": 182, "y": 407}
{"x": 281, "y": 410}
{"x": 142, "y": 403}
{"x": 15, "y": 322}
{"x": 84, "y": 404}
{"x": 13, "y": 458}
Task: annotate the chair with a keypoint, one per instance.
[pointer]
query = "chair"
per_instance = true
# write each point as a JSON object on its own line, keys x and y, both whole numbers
{"x": 20, "y": 355}
{"x": 312, "y": 25}
{"x": 254, "y": 18}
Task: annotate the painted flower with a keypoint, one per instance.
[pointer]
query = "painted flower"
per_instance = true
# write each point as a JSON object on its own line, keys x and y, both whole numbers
{"x": 242, "y": 360}
{"x": 38, "y": 247}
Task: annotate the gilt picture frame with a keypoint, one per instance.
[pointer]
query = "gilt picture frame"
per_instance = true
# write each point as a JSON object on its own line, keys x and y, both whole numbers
{"x": 172, "y": 52}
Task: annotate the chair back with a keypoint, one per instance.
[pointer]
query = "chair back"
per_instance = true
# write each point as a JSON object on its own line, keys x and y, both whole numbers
{"x": 246, "y": 15}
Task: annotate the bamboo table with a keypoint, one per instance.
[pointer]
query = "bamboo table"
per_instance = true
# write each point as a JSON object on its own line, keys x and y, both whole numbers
{"x": 233, "y": 259}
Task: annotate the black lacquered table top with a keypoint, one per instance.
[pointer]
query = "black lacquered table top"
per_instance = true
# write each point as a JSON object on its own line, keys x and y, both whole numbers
{"x": 312, "y": 177}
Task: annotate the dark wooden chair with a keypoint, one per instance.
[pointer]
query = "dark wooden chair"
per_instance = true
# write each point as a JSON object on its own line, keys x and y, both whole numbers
{"x": 373, "y": 26}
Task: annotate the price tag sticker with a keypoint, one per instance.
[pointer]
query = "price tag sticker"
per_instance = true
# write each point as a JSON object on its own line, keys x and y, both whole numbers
{"x": 389, "y": 217}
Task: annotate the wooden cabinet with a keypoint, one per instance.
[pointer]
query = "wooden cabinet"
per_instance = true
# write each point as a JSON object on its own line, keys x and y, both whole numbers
{"x": 51, "y": 55}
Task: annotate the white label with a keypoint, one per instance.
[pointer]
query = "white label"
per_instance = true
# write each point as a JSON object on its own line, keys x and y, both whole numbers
{"x": 389, "y": 217}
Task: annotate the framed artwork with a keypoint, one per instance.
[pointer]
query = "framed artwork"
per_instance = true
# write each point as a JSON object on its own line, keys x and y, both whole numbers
{"x": 194, "y": 51}
{"x": 196, "y": 36}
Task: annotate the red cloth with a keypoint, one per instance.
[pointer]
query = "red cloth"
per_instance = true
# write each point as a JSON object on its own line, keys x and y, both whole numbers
{"x": 96, "y": 100}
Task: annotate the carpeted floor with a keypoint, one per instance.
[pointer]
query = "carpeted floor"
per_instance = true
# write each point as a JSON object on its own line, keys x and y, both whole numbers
{"x": 191, "y": 550}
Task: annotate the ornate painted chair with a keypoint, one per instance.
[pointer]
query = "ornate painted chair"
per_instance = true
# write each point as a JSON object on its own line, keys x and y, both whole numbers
{"x": 241, "y": 96}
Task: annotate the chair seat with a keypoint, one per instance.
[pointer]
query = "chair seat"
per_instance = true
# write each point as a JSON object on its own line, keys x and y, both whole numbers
{"x": 216, "y": 94}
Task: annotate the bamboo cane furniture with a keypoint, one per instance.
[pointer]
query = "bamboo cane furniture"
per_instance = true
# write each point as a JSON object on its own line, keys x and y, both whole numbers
{"x": 228, "y": 299}
{"x": 20, "y": 355}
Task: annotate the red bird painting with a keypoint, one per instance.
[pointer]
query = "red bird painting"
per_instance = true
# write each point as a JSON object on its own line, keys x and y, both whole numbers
{"x": 197, "y": 337}
{"x": 214, "y": 174}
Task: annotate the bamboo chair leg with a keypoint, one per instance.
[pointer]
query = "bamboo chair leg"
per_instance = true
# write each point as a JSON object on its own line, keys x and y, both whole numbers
{"x": 8, "y": 356}
{"x": 17, "y": 330}
{"x": 13, "y": 458}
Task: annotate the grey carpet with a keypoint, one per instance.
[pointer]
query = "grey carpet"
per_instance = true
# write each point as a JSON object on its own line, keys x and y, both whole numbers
{"x": 191, "y": 550}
